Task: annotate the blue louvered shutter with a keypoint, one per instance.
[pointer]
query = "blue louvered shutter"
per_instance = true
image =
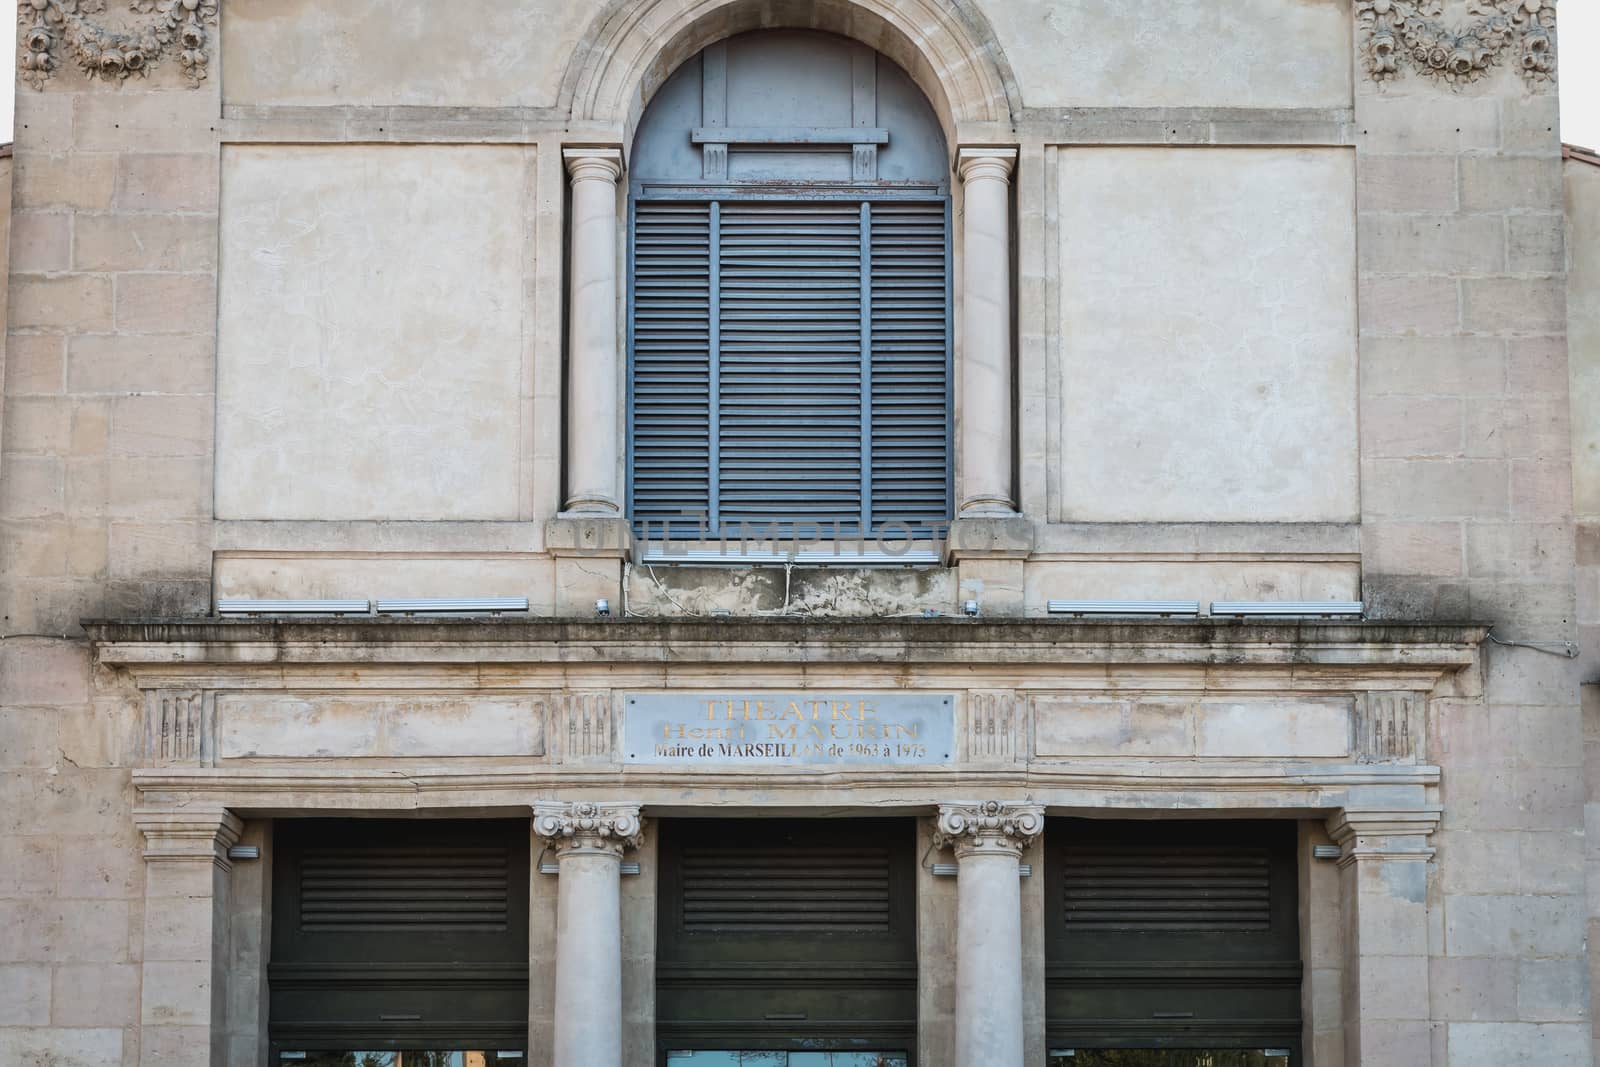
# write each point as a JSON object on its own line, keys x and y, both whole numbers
{"x": 910, "y": 340}
{"x": 671, "y": 388}
{"x": 790, "y": 365}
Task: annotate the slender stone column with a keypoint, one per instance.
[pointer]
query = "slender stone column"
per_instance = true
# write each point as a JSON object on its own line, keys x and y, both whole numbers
{"x": 593, "y": 428}
{"x": 588, "y": 840}
{"x": 988, "y": 840}
{"x": 986, "y": 405}
{"x": 1384, "y": 890}
{"x": 183, "y": 990}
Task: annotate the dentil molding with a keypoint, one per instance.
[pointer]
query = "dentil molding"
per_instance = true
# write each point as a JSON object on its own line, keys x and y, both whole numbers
{"x": 1413, "y": 32}
{"x": 113, "y": 52}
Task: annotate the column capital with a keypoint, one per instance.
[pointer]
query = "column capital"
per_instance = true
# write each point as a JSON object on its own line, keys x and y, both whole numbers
{"x": 979, "y": 163}
{"x": 988, "y": 827}
{"x": 587, "y": 827}
{"x": 593, "y": 164}
{"x": 1384, "y": 833}
{"x": 188, "y": 833}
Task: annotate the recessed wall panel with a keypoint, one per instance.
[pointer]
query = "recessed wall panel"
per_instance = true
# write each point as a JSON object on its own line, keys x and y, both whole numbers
{"x": 416, "y": 53}
{"x": 370, "y": 342}
{"x": 1207, "y": 336}
{"x": 1177, "y": 53}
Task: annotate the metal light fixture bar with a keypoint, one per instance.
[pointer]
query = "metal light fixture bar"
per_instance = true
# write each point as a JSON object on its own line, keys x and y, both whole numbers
{"x": 951, "y": 870}
{"x": 293, "y": 607}
{"x": 487, "y": 605}
{"x": 815, "y": 557}
{"x": 627, "y": 867}
{"x": 1166, "y": 609}
{"x": 1289, "y": 609}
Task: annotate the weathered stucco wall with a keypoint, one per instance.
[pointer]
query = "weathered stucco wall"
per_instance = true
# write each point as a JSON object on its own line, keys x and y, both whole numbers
{"x": 388, "y": 53}
{"x": 1207, "y": 335}
{"x": 372, "y": 310}
{"x": 1177, "y": 53}
{"x": 382, "y": 306}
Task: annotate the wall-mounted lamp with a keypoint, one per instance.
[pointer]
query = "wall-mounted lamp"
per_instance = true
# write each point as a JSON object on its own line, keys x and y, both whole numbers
{"x": 602, "y": 608}
{"x": 970, "y": 609}
{"x": 244, "y": 852}
{"x": 1326, "y": 852}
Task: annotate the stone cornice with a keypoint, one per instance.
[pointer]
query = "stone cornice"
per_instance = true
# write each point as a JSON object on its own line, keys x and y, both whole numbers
{"x": 1067, "y": 789}
{"x": 156, "y": 649}
{"x": 587, "y": 827}
{"x": 188, "y": 832}
{"x": 1384, "y": 834}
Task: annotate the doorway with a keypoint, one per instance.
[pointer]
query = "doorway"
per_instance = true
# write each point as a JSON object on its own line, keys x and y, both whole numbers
{"x": 786, "y": 943}
{"x": 1172, "y": 943}
{"x": 399, "y": 943}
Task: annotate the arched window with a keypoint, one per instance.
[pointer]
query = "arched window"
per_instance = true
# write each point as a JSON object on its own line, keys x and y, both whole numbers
{"x": 789, "y": 295}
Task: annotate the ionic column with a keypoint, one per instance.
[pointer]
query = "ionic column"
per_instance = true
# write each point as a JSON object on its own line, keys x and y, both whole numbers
{"x": 986, "y": 404}
{"x": 183, "y": 988}
{"x": 1384, "y": 890}
{"x": 594, "y": 363}
{"x": 988, "y": 840}
{"x": 588, "y": 840}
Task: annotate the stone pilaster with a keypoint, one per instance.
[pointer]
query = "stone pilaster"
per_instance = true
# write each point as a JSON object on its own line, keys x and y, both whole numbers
{"x": 988, "y": 840}
{"x": 594, "y": 363}
{"x": 588, "y": 840}
{"x": 1384, "y": 893}
{"x": 985, "y": 354}
{"x": 183, "y": 981}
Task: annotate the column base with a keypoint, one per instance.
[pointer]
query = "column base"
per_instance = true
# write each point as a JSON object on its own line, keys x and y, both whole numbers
{"x": 1009, "y": 536}
{"x": 595, "y": 536}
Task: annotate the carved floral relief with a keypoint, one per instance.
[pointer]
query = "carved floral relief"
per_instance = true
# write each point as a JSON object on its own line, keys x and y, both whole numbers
{"x": 1414, "y": 33}
{"x": 117, "y": 48}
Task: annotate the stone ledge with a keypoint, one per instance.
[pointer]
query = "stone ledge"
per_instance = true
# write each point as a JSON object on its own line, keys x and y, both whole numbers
{"x": 1343, "y": 647}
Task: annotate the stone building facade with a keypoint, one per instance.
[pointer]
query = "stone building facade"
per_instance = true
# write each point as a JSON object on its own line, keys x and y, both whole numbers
{"x": 1194, "y": 312}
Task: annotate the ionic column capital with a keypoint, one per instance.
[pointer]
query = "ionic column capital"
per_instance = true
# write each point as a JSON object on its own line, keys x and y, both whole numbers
{"x": 188, "y": 833}
{"x": 991, "y": 827}
{"x": 986, "y": 164}
{"x": 588, "y": 828}
{"x": 1384, "y": 833}
{"x": 593, "y": 164}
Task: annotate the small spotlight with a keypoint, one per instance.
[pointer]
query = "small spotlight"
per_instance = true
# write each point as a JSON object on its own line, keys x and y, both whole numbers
{"x": 602, "y": 608}
{"x": 971, "y": 609}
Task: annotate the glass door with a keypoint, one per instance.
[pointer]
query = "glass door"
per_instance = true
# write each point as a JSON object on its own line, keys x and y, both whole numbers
{"x": 1169, "y": 1057}
{"x": 701, "y": 1058}
{"x": 404, "y": 1058}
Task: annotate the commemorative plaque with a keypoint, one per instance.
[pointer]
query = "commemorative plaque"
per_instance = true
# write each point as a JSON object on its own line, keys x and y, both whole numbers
{"x": 789, "y": 729}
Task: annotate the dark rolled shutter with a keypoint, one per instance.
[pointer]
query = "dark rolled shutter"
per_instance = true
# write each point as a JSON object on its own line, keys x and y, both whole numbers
{"x": 768, "y": 890}
{"x": 790, "y": 366}
{"x": 1181, "y": 933}
{"x": 671, "y": 439}
{"x": 394, "y": 933}
{"x": 403, "y": 889}
{"x": 1176, "y": 888}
